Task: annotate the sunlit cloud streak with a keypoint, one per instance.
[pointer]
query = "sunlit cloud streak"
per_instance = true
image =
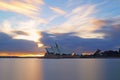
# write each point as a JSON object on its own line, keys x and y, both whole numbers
{"x": 26, "y": 30}
{"x": 25, "y": 7}
{"x": 58, "y": 10}
{"x": 83, "y": 20}
{"x": 79, "y": 21}
{"x": 21, "y": 7}
{"x": 18, "y": 29}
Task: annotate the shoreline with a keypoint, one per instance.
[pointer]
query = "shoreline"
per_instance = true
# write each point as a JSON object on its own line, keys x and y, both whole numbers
{"x": 65, "y": 58}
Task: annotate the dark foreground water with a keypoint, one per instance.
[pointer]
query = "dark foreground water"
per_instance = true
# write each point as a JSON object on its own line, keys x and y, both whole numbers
{"x": 59, "y": 69}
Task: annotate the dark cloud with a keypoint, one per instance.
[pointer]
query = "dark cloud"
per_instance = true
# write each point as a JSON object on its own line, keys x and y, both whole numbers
{"x": 70, "y": 42}
{"x": 8, "y": 44}
{"x": 20, "y": 33}
{"x": 111, "y": 28}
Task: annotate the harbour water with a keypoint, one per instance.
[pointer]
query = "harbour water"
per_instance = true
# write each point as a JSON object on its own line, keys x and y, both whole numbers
{"x": 59, "y": 69}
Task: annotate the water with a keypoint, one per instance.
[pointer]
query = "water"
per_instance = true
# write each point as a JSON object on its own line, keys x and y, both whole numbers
{"x": 59, "y": 69}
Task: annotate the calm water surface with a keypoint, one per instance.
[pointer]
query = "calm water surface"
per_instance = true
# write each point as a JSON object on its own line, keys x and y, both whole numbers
{"x": 59, "y": 69}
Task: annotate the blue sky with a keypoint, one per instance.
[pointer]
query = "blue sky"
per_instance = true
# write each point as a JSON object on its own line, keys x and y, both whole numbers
{"x": 88, "y": 24}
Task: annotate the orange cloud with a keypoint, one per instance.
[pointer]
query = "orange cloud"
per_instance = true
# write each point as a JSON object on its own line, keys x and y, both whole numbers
{"x": 58, "y": 10}
{"x": 26, "y": 7}
{"x": 98, "y": 22}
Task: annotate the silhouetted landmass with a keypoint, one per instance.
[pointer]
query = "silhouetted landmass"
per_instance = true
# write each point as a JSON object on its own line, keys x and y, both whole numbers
{"x": 103, "y": 54}
{"x": 97, "y": 54}
{"x": 54, "y": 52}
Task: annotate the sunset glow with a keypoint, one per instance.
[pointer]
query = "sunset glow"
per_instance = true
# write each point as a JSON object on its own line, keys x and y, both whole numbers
{"x": 22, "y": 54}
{"x": 32, "y": 25}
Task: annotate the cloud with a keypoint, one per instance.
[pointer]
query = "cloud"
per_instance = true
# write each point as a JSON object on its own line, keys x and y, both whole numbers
{"x": 78, "y": 26}
{"x": 111, "y": 28}
{"x": 28, "y": 8}
{"x": 79, "y": 22}
{"x": 7, "y": 44}
{"x": 58, "y": 10}
{"x": 26, "y": 30}
{"x": 20, "y": 32}
{"x": 83, "y": 30}
{"x": 84, "y": 20}
{"x": 69, "y": 43}
{"x": 98, "y": 22}
{"x": 34, "y": 1}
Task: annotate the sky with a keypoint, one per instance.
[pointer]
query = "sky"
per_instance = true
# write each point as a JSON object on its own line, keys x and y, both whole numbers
{"x": 30, "y": 26}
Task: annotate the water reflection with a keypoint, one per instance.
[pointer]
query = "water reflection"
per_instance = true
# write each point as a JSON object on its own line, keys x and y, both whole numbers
{"x": 91, "y": 69}
{"x": 20, "y": 69}
{"x": 59, "y": 69}
{"x": 73, "y": 69}
{"x": 111, "y": 69}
